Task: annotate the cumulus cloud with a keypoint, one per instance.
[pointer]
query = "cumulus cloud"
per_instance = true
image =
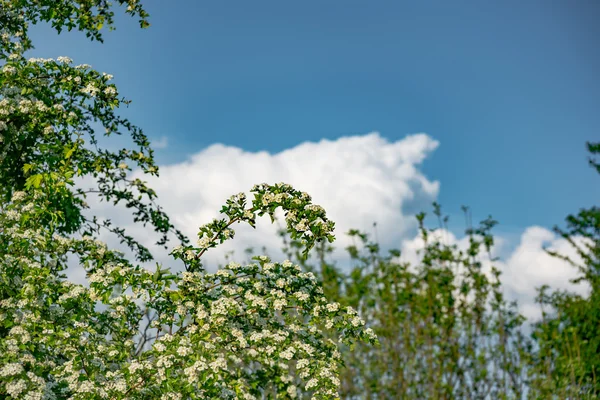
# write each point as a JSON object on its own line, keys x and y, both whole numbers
{"x": 529, "y": 267}
{"x": 358, "y": 180}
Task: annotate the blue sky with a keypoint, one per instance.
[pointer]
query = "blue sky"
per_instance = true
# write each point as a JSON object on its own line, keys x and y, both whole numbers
{"x": 510, "y": 89}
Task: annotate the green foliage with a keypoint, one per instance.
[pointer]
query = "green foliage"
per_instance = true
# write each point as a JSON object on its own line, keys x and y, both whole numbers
{"x": 568, "y": 360}
{"x": 443, "y": 324}
{"x": 88, "y": 16}
{"x": 253, "y": 331}
{"x": 51, "y": 113}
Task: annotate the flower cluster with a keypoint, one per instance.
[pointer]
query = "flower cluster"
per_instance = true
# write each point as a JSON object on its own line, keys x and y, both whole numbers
{"x": 306, "y": 222}
{"x": 241, "y": 332}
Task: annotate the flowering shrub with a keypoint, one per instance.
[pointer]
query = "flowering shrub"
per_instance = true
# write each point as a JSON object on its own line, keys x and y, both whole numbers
{"x": 50, "y": 114}
{"x": 239, "y": 333}
{"x": 252, "y": 331}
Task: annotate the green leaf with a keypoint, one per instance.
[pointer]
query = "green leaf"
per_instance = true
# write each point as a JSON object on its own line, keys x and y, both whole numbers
{"x": 34, "y": 180}
{"x": 27, "y": 168}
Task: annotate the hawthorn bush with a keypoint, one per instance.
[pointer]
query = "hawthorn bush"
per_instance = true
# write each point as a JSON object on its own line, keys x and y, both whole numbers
{"x": 248, "y": 331}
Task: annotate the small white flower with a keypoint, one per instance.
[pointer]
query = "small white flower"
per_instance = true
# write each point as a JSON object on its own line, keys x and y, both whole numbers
{"x": 279, "y": 304}
{"x": 110, "y": 91}
{"x": 91, "y": 90}
{"x": 288, "y": 353}
{"x": 18, "y": 196}
{"x": 9, "y": 69}
{"x": 301, "y": 296}
{"x": 291, "y": 391}
{"x": 11, "y": 369}
{"x": 25, "y": 106}
{"x": 311, "y": 383}
{"x": 184, "y": 351}
{"x": 203, "y": 242}
{"x": 41, "y": 106}
{"x": 64, "y": 60}
{"x": 15, "y": 388}
{"x": 370, "y": 333}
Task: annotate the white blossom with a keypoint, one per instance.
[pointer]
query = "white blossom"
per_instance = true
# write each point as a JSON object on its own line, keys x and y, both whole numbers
{"x": 9, "y": 69}
{"x": 11, "y": 369}
{"x": 64, "y": 60}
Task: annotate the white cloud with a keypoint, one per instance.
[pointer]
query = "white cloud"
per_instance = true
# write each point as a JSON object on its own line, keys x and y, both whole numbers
{"x": 529, "y": 267}
{"x": 358, "y": 180}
